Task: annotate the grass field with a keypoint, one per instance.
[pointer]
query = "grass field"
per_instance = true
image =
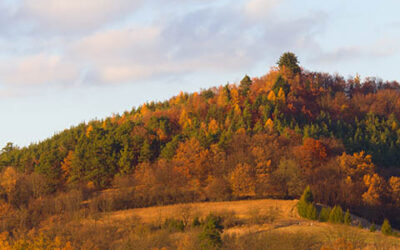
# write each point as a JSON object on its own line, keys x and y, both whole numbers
{"x": 249, "y": 224}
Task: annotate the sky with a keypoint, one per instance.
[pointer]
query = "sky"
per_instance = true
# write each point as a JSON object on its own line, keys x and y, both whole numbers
{"x": 67, "y": 62}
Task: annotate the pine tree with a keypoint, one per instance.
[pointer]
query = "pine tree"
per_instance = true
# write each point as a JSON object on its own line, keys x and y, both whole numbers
{"x": 303, "y": 204}
{"x": 244, "y": 86}
{"x": 372, "y": 228}
{"x": 289, "y": 60}
{"x": 336, "y": 215}
{"x": 145, "y": 152}
{"x": 386, "y": 227}
{"x": 324, "y": 214}
{"x": 347, "y": 217}
{"x": 311, "y": 212}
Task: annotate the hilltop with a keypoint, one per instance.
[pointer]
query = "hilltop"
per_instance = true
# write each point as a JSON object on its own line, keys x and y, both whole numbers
{"x": 267, "y": 136}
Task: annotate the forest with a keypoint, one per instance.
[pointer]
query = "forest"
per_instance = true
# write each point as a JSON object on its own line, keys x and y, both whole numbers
{"x": 264, "y": 137}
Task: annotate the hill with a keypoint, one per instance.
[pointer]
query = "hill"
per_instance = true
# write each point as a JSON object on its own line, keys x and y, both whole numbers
{"x": 267, "y": 136}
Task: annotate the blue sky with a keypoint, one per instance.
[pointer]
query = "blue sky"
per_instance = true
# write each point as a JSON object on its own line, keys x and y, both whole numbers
{"x": 65, "y": 62}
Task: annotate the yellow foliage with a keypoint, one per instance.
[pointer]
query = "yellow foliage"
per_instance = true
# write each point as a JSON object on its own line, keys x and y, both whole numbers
{"x": 374, "y": 184}
{"x": 281, "y": 95}
{"x": 269, "y": 126}
{"x": 271, "y": 96}
{"x": 243, "y": 181}
{"x": 235, "y": 96}
{"x": 394, "y": 126}
{"x": 4, "y": 241}
{"x": 88, "y": 130}
{"x": 8, "y": 179}
{"x": 213, "y": 127}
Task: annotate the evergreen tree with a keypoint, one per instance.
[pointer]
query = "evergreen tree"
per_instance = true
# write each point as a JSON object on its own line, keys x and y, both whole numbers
{"x": 312, "y": 212}
{"x": 336, "y": 215}
{"x": 386, "y": 227}
{"x": 210, "y": 236}
{"x": 289, "y": 60}
{"x": 347, "y": 217}
{"x": 244, "y": 86}
{"x": 145, "y": 152}
{"x": 372, "y": 228}
{"x": 324, "y": 214}
{"x": 305, "y": 200}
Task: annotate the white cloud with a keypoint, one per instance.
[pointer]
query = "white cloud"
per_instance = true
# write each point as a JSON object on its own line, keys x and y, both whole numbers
{"x": 260, "y": 8}
{"x": 75, "y": 15}
{"x": 36, "y": 70}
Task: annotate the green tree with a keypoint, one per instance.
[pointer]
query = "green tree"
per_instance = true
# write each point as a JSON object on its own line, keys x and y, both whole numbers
{"x": 244, "y": 86}
{"x": 289, "y": 60}
{"x": 336, "y": 215}
{"x": 386, "y": 227}
{"x": 210, "y": 236}
{"x": 145, "y": 152}
{"x": 347, "y": 217}
{"x": 303, "y": 204}
{"x": 372, "y": 228}
{"x": 324, "y": 214}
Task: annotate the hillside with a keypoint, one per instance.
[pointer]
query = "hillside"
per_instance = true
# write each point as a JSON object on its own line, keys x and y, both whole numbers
{"x": 265, "y": 137}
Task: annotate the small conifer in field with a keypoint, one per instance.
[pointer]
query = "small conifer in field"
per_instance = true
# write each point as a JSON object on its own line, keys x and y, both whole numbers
{"x": 386, "y": 227}
{"x": 336, "y": 215}
{"x": 324, "y": 214}
{"x": 347, "y": 217}
{"x": 372, "y": 228}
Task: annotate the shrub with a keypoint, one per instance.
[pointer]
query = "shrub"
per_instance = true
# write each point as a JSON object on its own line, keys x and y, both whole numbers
{"x": 174, "y": 225}
{"x": 386, "y": 227}
{"x": 336, "y": 215}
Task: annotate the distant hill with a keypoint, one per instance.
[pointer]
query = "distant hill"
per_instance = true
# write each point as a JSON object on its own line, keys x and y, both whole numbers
{"x": 267, "y": 136}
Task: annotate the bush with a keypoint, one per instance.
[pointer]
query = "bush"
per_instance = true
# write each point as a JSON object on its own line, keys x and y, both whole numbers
{"x": 336, "y": 215}
{"x": 173, "y": 225}
{"x": 324, "y": 214}
{"x": 386, "y": 227}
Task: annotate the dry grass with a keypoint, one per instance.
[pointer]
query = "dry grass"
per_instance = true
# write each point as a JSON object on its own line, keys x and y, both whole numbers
{"x": 254, "y": 224}
{"x": 240, "y": 208}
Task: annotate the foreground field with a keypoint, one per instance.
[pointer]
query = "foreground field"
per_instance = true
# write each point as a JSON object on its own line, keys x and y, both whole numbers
{"x": 248, "y": 224}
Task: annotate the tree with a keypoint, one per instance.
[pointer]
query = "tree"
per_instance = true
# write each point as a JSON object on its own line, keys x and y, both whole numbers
{"x": 372, "y": 228}
{"x": 243, "y": 181}
{"x": 289, "y": 60}
{"x": 386, "y": 227}
{"x": 306, "y": 199}
{"x": 347, "y": 217}
{"x": 244, "y": 86}
{"x": 324, "y": 214}
{"x": 336, "y": 215}
{"x": 210, "y": 236}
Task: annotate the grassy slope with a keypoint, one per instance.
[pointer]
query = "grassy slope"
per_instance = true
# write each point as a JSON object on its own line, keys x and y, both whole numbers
{"x": 250, "y": 213}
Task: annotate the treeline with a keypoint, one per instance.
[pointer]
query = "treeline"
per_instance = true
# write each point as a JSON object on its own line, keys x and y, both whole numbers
{"x": 264, "y": 137}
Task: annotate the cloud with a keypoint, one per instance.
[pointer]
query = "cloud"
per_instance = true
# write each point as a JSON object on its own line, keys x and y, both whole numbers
{"x": 37, "y": 69}
{"x": 260, "y": 8}
{"x": 373, "y": 51}
{"x": 75, "y": 15}
{"x": 207, "y": 38}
